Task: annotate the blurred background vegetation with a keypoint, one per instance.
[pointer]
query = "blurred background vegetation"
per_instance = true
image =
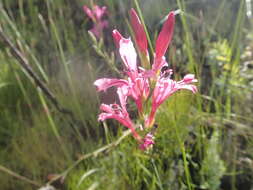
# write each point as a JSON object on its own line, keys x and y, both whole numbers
{"x": 203, "y": 141}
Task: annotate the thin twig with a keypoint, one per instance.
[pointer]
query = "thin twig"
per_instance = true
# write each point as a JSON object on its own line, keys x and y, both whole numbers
{"x": 92, "y": 154}
{"x": 20, "y": 177}
{"x": 24, "y": 63}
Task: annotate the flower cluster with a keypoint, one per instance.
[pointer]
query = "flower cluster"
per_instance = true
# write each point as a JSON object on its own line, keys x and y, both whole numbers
{"x": 96, "y": 14}
{"x": 142, "y": 83}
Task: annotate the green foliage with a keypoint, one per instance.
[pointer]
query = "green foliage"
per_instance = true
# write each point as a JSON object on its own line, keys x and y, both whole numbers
{"x": 212, "y": 168}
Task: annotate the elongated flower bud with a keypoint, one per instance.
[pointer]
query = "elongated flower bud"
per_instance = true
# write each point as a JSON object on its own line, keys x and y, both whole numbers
{"x": 139, "y": 32}
{"x": 165, "y": 36}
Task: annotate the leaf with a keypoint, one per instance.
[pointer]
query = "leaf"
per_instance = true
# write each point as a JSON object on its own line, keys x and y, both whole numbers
{"x": 86, "y": 175}
{"x": 3, "y": 84}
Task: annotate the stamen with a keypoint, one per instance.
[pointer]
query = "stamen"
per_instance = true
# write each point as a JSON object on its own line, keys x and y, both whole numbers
{"x": 116, "y": 108}
{"x": 166, "y": 72}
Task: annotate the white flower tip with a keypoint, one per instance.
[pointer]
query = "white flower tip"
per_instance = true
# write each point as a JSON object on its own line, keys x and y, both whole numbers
{"x": 178, "y": 11}
{"x": 189, "y": 78}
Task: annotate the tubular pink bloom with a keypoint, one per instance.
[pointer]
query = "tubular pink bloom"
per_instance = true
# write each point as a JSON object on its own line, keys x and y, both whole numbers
{"x": 99, "y": 12}
{"x": 105, "y": 83}
{"x": 116, "y": 37}
{"x": 129, "y": 56}
{"x": 139, "y": 32}
{"x": 148, "y": 142}
{"x": 164, "y": 88}
{"x": 165, "y": 36}
{"x": 96, "y": 15}
{"x": 119, "y": 112}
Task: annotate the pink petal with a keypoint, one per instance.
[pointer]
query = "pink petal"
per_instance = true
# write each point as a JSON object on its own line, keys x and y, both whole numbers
{"x": 103, "y": 116}
{"x": 124, "y": 121}
{"x": 99, "y": 12}
{"x": 163, "y": 89}
{"x": 189, "y": 78}
{"x": 117, "y": 37}
{"x": 106, "y": 108}
{"x": 148, "y": 141}
{"x": 192, "y": 88}
{"x": 88, "y": 12}
{"x": 128, "y": 54}
{"x": 169, "y": 89}
{"x": 165, "y": 35}
{"x": 147, "y": 74}
{"x": 139, "y": 31}
{"x": 105, "y": 83}
{"x": 122, "y": 93}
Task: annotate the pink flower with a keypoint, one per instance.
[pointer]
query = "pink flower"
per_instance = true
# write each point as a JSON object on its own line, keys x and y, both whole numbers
{"x": 119, "y": 112}
{"x": 164, "y": 88}
{"x": 148, "y": 142}
{"x": 96, "y": 15}
{"x": 139, "y": 32}
{"x": 139, "y": 83}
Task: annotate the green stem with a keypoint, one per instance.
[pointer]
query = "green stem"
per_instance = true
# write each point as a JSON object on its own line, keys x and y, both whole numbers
{"x": 52, "y": 123}
{"x": 189, "y": 49}
{"x": 157, "y": 175}
{"x": 186, "y": 169}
